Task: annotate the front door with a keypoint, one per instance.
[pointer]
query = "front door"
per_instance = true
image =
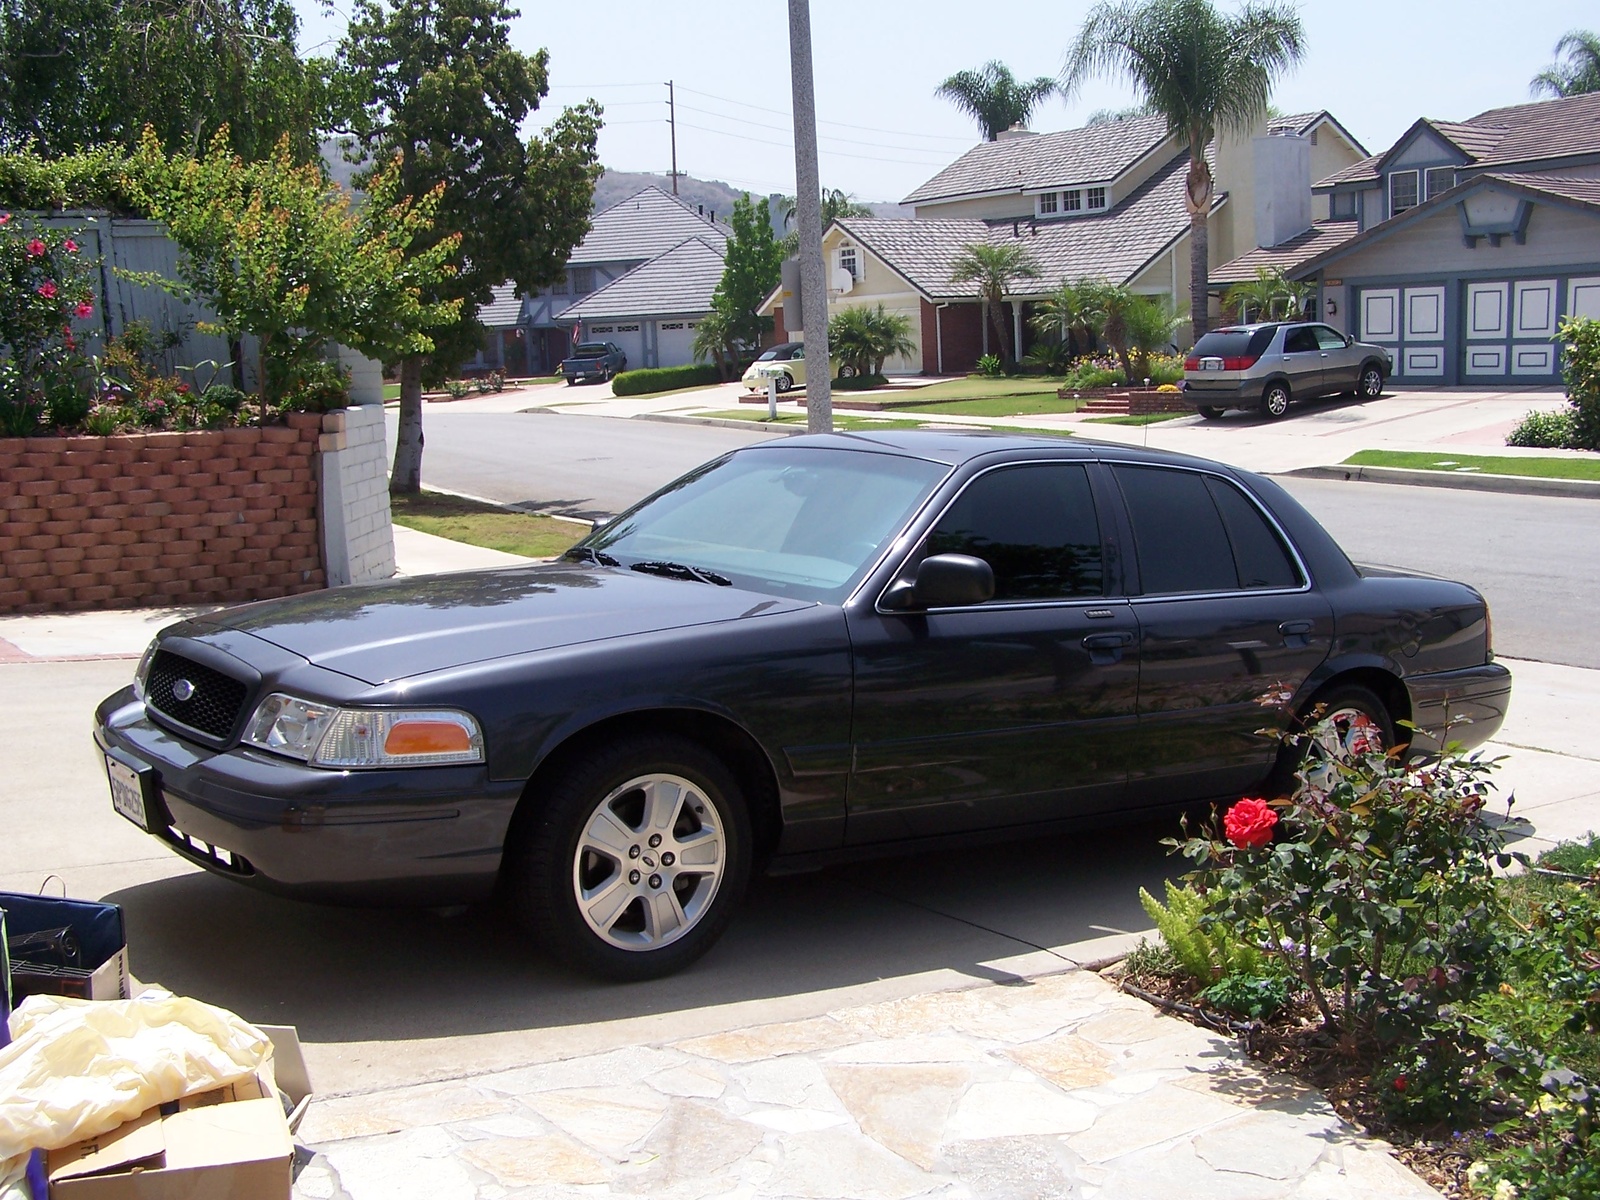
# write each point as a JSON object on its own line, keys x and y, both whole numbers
{"x": 1341, "y": 361}
{"x": 1228, "y": 629}
{"x": 1003, "y": 713}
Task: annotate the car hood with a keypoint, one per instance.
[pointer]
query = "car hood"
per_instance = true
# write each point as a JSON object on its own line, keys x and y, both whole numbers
{"x": 386, "y": 631}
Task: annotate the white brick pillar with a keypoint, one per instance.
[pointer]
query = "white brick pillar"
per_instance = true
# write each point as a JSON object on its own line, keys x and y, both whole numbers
{"x": 357, "y": 536}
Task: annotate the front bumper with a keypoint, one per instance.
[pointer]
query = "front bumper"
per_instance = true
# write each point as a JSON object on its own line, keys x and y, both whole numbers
{"x": 426, "y": 835}
{"x": 1465, "y": 707}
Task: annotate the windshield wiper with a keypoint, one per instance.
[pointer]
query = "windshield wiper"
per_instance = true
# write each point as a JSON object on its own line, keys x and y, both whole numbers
{"x": 590, "y": 554}
{"x": 675, "y": 570}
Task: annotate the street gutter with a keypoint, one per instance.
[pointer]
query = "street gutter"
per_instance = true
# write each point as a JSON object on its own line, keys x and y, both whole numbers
{"x": 722, "y": 423}
{"x": 1526, "y": 485}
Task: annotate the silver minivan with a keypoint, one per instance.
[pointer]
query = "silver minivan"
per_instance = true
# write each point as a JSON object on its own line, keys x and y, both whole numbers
{"x": 1266, "y": 366}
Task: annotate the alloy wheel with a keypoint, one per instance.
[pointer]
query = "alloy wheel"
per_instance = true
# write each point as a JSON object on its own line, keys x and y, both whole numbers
{"x": 1342, "y": 736}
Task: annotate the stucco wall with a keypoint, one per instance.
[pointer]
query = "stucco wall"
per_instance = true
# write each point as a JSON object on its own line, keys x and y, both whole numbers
{"x": 357, "y": 534}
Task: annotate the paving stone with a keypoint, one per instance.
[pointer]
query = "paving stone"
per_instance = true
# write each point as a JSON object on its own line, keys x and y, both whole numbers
{"x": 902, "y": 1107}
{"x": 770, "y": 1041}
{"x": 614, "y": 1068}
{"x": 834, "y": 1164}
{"x": 797, "y": 1120}
{"x": 1016, "y": 1108}
{"x": 1068, "y": 1061}
{"x": 1261, "y": 1144}
{"x": 911, "y": 1050}
{"x": 934, "y": 1013}
{"x": 1177, "y": 1171}
{"x": 1026, "y": 1023}
{"x": 695, "y": 1079}
{"x": 1180, "y": 1047}
{"x": 1356, "y": 1170}
{"x": 505, "y": 1127}
{"x": 695, "y": 1145}
{"x": 1123, "y": 1027}
{"x": 1157, "y": 1116}
{"x": 793, "y": 1082}
{"x": 316, "y": 1183}
{"x": 1014, "y": 1168}
{"x": 607, "y": 1119}
{"x": 536, "y": 1161}
{"x": 416, "y": 1165}
{"x": 389, "y": 1112}
{"x": 1244, "y": 1084}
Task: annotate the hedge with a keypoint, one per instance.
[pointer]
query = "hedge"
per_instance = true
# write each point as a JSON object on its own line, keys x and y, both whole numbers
{"x": 664, "y": 379}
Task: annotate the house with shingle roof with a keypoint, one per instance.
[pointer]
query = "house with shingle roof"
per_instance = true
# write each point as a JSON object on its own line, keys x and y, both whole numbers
{"x": 1106, "y": 201}
{"x": 1462, "y": 246}
{"x": 652, "y": 311}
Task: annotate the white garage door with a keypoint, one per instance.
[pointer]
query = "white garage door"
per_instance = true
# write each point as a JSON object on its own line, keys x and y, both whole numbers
{"x": 1583, "y": 298}
{"x": 627, "y": 335}
{"x": 675, "y": 343}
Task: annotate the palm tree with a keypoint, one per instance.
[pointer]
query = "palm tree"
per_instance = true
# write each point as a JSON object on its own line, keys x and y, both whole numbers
{"x": 1150, "y": 322}
{"x": 1259, "y": 296}
{"x": 1579, "y": 74}
{"x": 1200, "y": 69}
{"x": 713, "y": 339}
{"x": 835, "y": 204}
{"x": 994, "y": 97}
{"x": 992, "y": 266}
{"x": 863, "y": 338}
{"x": 1068, "y": 313}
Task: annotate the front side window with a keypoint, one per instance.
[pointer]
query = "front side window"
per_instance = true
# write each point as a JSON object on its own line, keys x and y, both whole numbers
{"x": 1329, "y": 339}
{"x": 1035, "y": 526}
{"x": 1402, "y": 191}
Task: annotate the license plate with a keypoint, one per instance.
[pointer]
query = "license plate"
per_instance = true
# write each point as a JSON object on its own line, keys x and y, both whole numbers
{"x": 127, "y": 792}
{"x": 1211, "y": 364}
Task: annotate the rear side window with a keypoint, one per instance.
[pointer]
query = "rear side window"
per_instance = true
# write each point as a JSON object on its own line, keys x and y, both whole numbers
{"x": 1197, "y": 533}
{"x": 1234, "y": 343}
{"x": 1035, "y": 525}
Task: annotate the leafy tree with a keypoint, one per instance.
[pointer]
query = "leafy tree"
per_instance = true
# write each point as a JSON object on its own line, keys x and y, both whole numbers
{"x": 994, "y": 97}
{"x": 993, "y": 267}
{"x": 438, "y": 84}
{"x": 77, "y": 73}
{"x": 1202, "y": 70}
{"x": 863, "y": 338}
{"x": 1268, "y": 297}
{"x": 1149, "y": 323}
{"x": 1578, "y": 74}
{"x": 713, "y": 339}
{"x": 835, "y": 205}
{"x": 1067, "y": 315}
{"x": 754, "y": 264}
{"x": 276, "y": 253}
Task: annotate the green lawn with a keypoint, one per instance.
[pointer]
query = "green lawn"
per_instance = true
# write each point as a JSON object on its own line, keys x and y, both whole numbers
{"x": 976, "y": 396}
{"x": 849, "y": 423}
{"x": 485, "y": 524}
{"x": 391, "y": 391}
{"x": 1142, "y": 419}
{"x": 978, "y": 387}
{"x": 1484, "y": 464}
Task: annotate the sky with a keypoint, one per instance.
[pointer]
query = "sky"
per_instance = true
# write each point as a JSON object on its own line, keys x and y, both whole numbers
{"x": 1376, "y": 65}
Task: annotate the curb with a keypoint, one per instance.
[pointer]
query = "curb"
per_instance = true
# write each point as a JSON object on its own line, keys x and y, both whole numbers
{"x": 1526, "y": 485}
{"x": 720, "y": 423}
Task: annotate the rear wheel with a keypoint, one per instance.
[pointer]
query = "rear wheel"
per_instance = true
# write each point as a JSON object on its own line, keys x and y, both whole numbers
{"x": 636, "y": 859}
{"x": 782, "y": 382}
{"x": 1341, "y": 725}
{"x": 1209, "y": 411}
{"x": 1371, "y": 385}
{"x": 1275, "y": 401}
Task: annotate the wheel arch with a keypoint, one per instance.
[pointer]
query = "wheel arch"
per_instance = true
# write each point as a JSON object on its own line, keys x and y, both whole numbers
{"x": 1381, "y": 682}
{"x": 1278, "y": 377}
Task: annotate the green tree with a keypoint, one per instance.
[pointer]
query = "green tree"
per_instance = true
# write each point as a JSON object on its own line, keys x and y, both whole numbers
{"x": 1268, "y": 297}
{"x": 863, "y": 338}
{"x": 276, "y": 253}
{"x": 1204, "y": 72}
{"x": 835, "y": 205}
{"x": 1067, "y": 315}
{"x": 1578, "y": 74}
{"x": 77, "y": 73}
{"x": 754, "y": 263}
{"x": 994, "y": 97}
{"x": 438, "y": 84}
{"x": 713, "y": 339}
{"x": 1150, "y": 323}
{"x": 993, "y": 267}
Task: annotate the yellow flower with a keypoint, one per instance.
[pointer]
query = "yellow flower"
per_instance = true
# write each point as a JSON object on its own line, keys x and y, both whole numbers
{"x": 1505, "y": 1190}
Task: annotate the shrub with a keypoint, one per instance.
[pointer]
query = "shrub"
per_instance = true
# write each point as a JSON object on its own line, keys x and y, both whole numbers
{"x": 45, "y": 284}
{"x": 1204, "y": 953}
{"x": 990, "y": 366}
{"x": 1253, "y": 996}
{"x": 317, "y": 387}
{"x": 1546, "y": 430}
{"x": 648, "y": 380}
{"x": 1580, "y": 339}
{"x": 106, "y": 419}
{"x": 859, "y": 383}
{"x": 457, "y": 389}
{"x": 1049, "y": 358}
{"x": 224, "y": 396}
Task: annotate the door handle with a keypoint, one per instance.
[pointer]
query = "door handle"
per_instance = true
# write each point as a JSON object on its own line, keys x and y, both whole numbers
{"x": 1292, "y": 628}
{"x": 1107, "y": 641}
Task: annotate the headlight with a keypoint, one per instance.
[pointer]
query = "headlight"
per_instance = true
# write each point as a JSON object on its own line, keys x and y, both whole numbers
{"x": 326, "y": 736}
{"x": 142, "y": 671}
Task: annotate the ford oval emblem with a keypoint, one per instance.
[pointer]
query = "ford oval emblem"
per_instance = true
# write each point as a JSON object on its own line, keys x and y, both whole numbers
{"x": 182, "y": 689}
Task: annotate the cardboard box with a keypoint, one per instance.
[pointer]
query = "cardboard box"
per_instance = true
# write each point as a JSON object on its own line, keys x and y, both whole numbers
{"x": 231, "y": 1143}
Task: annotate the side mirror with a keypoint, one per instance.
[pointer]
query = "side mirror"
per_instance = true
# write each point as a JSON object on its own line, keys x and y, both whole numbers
{"x": 1349, "y": 340}
{"x": 943, "y": 581}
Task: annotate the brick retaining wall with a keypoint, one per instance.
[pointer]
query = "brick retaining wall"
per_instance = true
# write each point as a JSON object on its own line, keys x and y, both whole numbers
{"x": 159, "y": 518}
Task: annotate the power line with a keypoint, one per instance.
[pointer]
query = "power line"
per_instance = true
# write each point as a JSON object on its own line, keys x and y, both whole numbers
{"x": 743, "y": 137}
{"x": 942, "y": 137}
{"x": 827, "y": 137}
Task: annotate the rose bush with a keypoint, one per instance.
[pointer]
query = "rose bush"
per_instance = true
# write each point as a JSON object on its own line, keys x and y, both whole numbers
{"x": 45, "y": 283}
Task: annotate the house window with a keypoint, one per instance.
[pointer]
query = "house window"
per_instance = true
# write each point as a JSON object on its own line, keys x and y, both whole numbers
{"x": 1402, "y": 191}
{"x": 1440, "y": 179}
{"x": 582, "y": 281}
{"x": 1047, "y": 204}
{"x": 1342, "y": 206}
{"x": 559, "y": 287}
{"x": 1097, "y": 197}
{"x": 1072, "y": 201}
{"x": 849, "y": 261}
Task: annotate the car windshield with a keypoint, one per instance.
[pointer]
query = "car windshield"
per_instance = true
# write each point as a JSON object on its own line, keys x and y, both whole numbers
{"x": 806, "y": 522}
{"x": 590, "y": 350}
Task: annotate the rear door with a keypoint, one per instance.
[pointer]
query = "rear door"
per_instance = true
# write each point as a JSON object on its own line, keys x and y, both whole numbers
{"x": 1229, "y": 630}
{"x": 1301, "y": 361}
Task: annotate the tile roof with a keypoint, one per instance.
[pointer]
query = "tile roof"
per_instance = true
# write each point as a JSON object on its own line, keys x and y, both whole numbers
{"x": 1115, "y": 245}
{"x": 1295, "y": 122}
{"x": 646, "y": 224}
{"x": 1565, "y": 187}
{"x": 1364, "y": 171}
{"x": 504, "y": 309}
{"x": 1475, "y": 141}
{"x": 1091, "y": 154}
{"x": 1286, "y": 256}
{"x": 677, "y": 283}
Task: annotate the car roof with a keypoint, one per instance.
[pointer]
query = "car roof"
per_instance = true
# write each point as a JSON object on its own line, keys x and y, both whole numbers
{"x": 955, "y": 447}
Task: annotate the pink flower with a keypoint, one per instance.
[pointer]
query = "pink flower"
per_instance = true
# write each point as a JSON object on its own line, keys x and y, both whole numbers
{"x": 5, "y": 218}
{"x": 71, "y": 246}
{"x": 47, "y": 290}
{"x": 84, "y": 309}
{"x": 36, "y": 247}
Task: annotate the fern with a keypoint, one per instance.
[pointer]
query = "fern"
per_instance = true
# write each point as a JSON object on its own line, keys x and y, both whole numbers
{"x": 1205, "y": 954}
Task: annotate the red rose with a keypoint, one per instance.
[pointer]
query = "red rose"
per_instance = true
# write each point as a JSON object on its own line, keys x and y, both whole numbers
{"x": 1249, "y": 823}
{"x": 47, "y": 290}
{"x": 1400, "y": 1083}
{"x": 70, "y": 246}
{"x": 36, "y": 247}
{"x": 84, "y": 309}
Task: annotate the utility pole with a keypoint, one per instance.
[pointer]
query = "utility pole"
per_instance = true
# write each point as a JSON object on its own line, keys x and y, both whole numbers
{"x": 808, "y": 210}
{"x": 672, "y": 120}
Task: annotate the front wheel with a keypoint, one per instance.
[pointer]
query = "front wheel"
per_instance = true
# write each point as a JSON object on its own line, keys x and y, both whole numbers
{"x": 1275, "y": 401}
{"x": 636, "y": 859}
{"x": 783, "y": 383}
{"x": 1209, "y": 412}
{"x": 1371, "y": 385}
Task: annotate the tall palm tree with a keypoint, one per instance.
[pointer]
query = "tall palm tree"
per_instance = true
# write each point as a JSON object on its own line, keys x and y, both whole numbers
{"x": 1202, "y": 70}
{"x": 992, "y": 266}
{"x": 994, "y": 97}
{"x": 1579, "y": 74}
{"x": 835, "y": 204}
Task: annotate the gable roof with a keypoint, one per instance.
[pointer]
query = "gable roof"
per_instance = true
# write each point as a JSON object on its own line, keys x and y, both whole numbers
{"x": 646, "y": 224}
{"x": 677, "y": 283}
{"x": 1303, "y": 123}
{"x": 504, "y": 309}
{"x": 1286, "y": 256}
{"x": 1092, "y": 154}
{"x": 1116, "y": 245}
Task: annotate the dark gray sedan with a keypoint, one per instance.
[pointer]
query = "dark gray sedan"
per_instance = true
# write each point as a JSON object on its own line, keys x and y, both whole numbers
{"x": 808, "y": 649}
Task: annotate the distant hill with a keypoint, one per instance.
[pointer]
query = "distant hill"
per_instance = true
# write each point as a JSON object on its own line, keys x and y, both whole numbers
{"x": 716, "y": 196}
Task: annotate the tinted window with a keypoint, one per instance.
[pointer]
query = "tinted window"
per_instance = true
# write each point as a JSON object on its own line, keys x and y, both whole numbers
{"x": 1178, "y": 536}
{"x": 1300, "y": 341}
{"x": 1259, "y": 555}
{"x": 1234, "y": 343}
{"x": 1329, "y": 339}
{"x": 1035, "y": 525}
{"x": 590, "y": 350}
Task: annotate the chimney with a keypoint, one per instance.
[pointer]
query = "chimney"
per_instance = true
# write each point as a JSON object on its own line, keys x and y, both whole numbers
{"x": 713, "y": 216}
{"x": 1282, "y": 187}
{"x": 701, "y": 208}
{"x": 1016, "y": 131}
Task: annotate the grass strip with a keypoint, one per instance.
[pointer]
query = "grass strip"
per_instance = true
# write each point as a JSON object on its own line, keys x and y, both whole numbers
{"x": 1479, "y": 464}
{"x": 849, "y": 423}
{"x": 1141, "y": 419}
{"x": 487, "y": 525}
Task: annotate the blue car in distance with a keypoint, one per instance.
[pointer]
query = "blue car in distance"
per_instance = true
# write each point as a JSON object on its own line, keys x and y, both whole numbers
{"x": 594, "y": 360}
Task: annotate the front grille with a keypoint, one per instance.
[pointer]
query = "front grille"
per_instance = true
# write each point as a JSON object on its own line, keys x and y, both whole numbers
{"x": 212, "y": 708}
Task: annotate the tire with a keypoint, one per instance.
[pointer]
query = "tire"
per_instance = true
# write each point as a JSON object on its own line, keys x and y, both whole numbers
{"x": 1275, "y": 401}
{"x": 586, "y": 879}
{"x": 571, "y": 381}
{"x": 1370, "y": 386}
{"x": 1339, "y": 723}
{"x": 783, "y": 383}
{"x": 847, "y": 372}
{"x": 1209, "y": 411}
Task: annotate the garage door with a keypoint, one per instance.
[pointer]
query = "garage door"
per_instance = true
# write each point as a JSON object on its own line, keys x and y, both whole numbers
{"x": 1508, "y": 326}
{"x": 1409, "y": 321}
{"x": 627, "y": 336}
{"x": 1583, "y": 298}
{"x": 675, "y": 343}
